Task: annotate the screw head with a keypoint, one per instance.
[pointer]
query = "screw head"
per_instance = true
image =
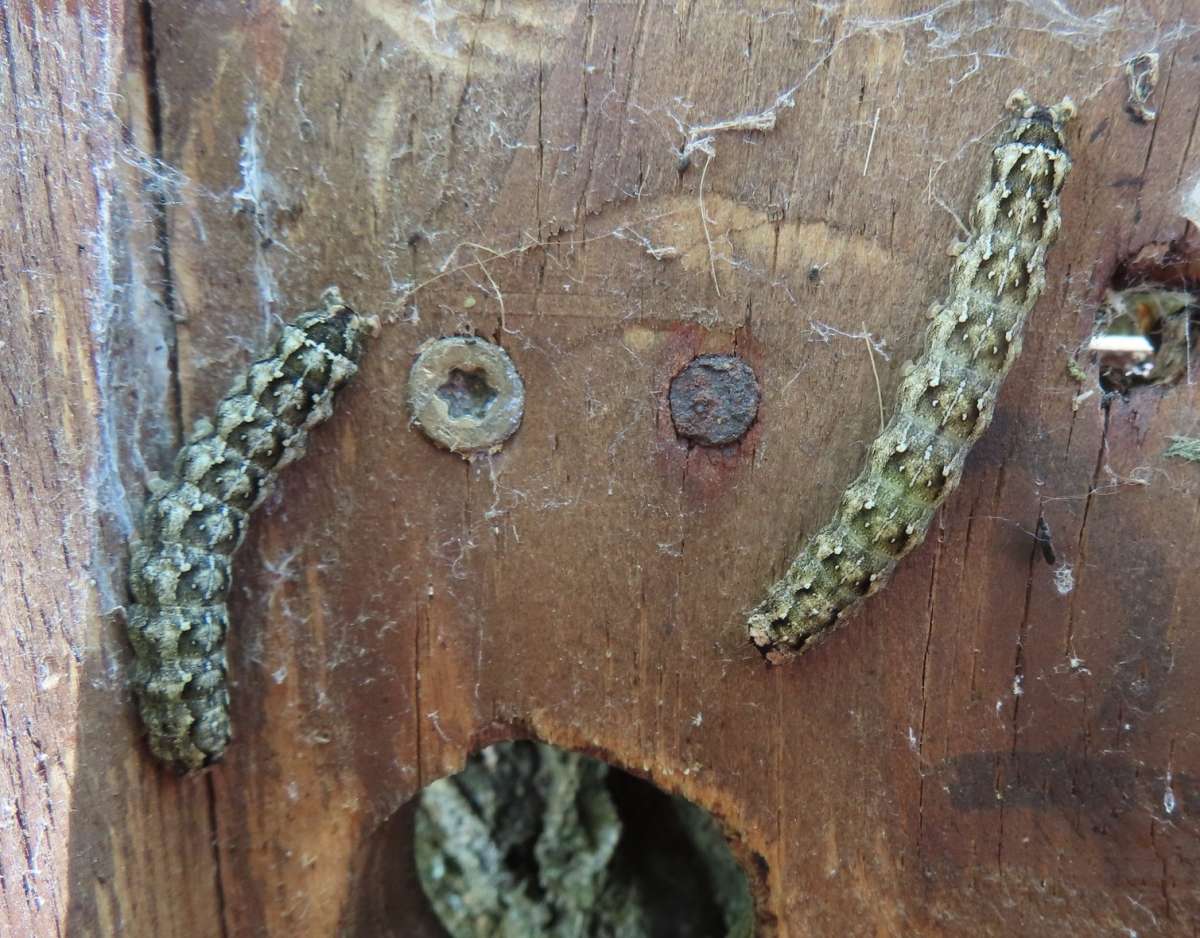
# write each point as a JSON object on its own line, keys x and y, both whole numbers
{"x": 714, "y": 399}
{"x": 465, "y": 394}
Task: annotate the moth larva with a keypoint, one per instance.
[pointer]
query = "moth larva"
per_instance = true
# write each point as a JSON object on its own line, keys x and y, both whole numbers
{"x": 947, "y": 396}
{"x": 180, "y": 566}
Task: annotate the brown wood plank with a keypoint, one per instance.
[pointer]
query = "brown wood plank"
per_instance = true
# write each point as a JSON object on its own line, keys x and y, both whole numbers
{"x": 979, "y": 752}
{"x": 93, "y": 839}
{"x": 588, "y": 583}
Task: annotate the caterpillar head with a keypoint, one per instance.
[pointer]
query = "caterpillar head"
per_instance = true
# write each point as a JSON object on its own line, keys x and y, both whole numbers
{"x": 1037, "y": 123}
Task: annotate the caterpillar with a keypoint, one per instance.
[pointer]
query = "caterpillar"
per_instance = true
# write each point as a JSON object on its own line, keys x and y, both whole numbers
{"x": 192, "y": 523}
{"x": 946, "y": 397}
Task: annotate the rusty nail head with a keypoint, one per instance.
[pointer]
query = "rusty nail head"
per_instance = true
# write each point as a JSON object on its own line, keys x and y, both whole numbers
{"x": 465, "y": 394}
{"x": 714, "y": 399}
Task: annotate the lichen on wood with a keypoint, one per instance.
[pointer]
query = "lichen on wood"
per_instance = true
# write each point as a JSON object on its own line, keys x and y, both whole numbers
{"x": 1184, "y": 447}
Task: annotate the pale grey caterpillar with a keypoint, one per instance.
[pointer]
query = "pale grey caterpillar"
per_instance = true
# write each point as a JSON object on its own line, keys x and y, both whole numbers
{"x": 947, "y": 396}
{"x": 180, "y": 565}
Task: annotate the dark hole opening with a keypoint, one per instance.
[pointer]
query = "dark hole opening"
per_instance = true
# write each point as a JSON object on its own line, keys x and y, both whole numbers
{"x": 1145, "y": 337}
{"x": 467, "y": 394}
{"x": 534, "y": 840}
{"x": 1147, "y": 326}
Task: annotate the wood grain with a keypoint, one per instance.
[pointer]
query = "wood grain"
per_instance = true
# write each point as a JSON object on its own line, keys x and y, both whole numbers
{"x": 92, "y": 839}
{"x": 980, "y": 754}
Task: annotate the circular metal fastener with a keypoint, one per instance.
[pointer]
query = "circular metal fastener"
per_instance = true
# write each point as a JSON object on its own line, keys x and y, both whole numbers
{"x": 714, "y": 400}
{"x": 465, "y": 394}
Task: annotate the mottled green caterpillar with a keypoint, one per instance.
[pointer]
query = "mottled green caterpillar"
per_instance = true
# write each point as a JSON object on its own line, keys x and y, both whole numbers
{"x": 180, "y": 565}
{"x": 947, "y": 397}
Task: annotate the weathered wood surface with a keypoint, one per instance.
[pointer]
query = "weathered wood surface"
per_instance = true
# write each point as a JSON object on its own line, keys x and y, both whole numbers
{"x": 92, "y": 839}
{"x": 978, "y": 753}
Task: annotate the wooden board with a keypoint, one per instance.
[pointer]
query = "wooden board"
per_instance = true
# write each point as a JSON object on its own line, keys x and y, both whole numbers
{"x": 981, "y": 752}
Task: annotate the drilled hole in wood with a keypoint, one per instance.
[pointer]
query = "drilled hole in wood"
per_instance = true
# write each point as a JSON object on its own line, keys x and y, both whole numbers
{"x": 1147, "y": 327}
{"x": 533, "y": 840}
{"x": 1146, "y": 337}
